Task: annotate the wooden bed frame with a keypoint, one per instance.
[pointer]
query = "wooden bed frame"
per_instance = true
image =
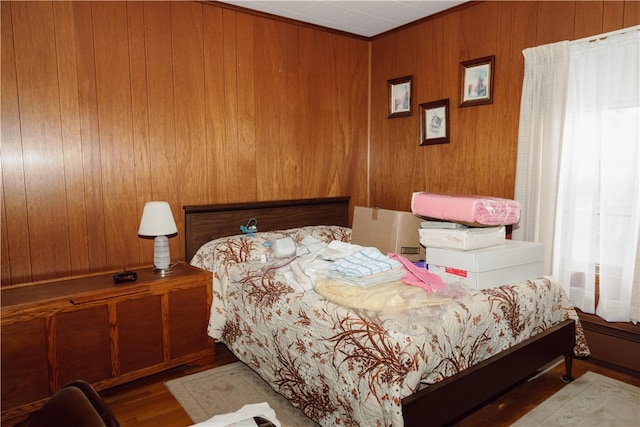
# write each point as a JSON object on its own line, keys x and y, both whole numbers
{"x": 440, "y": 404}
{"x": 203, "y": 223}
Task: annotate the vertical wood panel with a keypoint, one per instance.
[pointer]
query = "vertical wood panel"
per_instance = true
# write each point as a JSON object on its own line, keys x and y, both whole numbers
{"x": 453, "y": 159}
{"x": 16, "y": 256}
{"x": 290, "y": 156}
{"x": 160, "y": 80}
{"x": 588, "y": 18}
{"x": 517, "y": 18}
{"x": 215, "y": 104}
{"x": 245, "y": 100}
{"x": 478, "y": 146}
{"x": 5, "y": 265}
{"x": 631, "y": 13}
{"x": 394, "y": 144}
{"x": 429, "y": 88}
{"x": 165, "y": 182}
{"x": 404, "y": 150}
{"x": 352, "y": 82}
{"x": 89, "y": 134}
{"x": 116, "y": 141}
{"x": 328, "y": 146}
{"x": 316, "y": 98}
{"x": 272, "y": 105}
{"x": 506, "y": 101}
{"x": 556, "y": 21}
{"x": 382, "y": 70}
{"x": 191, "y": 145}
{"x": 39, "y": 103}
{"x": 494, "y": 146}
{"x": 613, "y": 15}
{"x": 230, "y": 126}
{"x": 307, "y": 135}
{"x": 71, "y": 141}
{"x": 139, "y": 118}
{"x": 188, "y": 39}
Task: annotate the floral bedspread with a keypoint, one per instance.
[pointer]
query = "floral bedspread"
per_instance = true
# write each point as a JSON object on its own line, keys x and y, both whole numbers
{"x": 353, "y": 367}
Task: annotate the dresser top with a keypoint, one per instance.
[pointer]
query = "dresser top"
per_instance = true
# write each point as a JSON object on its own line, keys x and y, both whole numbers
{"x": 83, "y": 288}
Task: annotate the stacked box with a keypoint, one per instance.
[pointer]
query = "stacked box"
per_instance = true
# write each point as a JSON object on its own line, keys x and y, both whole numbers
{"x": 510, "y": 262}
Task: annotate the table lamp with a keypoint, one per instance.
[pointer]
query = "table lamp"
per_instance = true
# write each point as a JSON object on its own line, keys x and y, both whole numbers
{"x": 157, "y": 221}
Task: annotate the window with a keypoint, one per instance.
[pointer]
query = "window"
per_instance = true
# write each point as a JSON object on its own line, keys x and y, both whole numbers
{"x": 597, "y": 223}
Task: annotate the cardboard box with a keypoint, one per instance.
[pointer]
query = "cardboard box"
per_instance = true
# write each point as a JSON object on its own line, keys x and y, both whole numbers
{"x": 510, "y": 262}
{"x": 389, "y": 231}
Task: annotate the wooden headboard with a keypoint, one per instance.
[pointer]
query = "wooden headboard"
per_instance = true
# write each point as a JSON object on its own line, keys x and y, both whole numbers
{"x": 207, "y": 222}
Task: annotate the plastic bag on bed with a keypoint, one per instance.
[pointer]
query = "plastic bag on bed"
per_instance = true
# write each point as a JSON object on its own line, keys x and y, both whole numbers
{"x": 392, "y": 299}
{"x": 388, "y": 296}
{"x": 411, "y": 320}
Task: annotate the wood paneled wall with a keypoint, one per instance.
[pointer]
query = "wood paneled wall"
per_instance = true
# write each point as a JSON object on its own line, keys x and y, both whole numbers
{"x": 481, "y": 155}
{"x": 107, "y": 105}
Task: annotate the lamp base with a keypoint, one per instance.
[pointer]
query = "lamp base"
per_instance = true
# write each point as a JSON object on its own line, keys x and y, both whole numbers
{"x": 161, "y": 256}
{"x": 163, "y": 271}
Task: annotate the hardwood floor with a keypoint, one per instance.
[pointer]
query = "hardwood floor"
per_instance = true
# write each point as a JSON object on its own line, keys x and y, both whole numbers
{"x": 148, "y": 403}
{"x": 512, "y": 405}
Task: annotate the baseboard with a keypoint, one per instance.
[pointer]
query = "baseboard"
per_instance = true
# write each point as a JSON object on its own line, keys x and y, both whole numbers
{"x": 613, "y": 343}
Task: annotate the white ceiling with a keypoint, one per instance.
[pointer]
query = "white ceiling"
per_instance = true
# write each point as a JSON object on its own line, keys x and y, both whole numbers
{"x": 365, "y": 18}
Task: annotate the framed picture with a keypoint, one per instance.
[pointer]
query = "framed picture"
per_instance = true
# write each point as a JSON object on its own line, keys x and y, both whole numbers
{"x": 434, "y": 122}
{"x": 400, "y": 97}
{"x": 476, "y": 81}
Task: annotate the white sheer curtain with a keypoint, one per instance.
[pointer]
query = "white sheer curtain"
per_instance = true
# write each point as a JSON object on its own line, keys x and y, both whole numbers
{"x": 539, "y": 140}
{"x": 598, "y": 208}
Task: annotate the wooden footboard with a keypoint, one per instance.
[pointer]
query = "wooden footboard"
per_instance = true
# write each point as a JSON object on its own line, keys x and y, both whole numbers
{"x": 449, "y": 400}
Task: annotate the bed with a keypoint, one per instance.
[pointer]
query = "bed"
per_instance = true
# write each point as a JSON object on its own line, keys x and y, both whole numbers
{"x": 345, "y": 366}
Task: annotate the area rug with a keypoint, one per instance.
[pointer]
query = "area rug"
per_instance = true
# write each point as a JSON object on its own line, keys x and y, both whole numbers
{"x": 226, "y": 389}
{"x": 589, "y": 401}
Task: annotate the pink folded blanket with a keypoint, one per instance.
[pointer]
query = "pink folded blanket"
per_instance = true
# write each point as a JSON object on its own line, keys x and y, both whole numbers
{"x": 468, "y": 209}
{"x": 419, "y": 277}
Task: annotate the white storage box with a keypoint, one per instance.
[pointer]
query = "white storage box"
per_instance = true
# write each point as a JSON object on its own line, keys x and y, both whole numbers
{"x": 511, "y": 262}
{"x": 388, "y": 230}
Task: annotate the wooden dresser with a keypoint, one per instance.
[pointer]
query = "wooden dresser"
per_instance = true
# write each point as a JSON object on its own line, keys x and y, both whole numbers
{"x": 88, "y": 328}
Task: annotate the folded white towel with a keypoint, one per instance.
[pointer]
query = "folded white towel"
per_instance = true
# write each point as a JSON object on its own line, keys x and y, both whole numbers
{"x": 365, "y": 262}
{"x": 370, "y": 280}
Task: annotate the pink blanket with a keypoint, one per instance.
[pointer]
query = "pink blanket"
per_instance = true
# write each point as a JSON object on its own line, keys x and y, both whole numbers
{"x": 468, "y": 209}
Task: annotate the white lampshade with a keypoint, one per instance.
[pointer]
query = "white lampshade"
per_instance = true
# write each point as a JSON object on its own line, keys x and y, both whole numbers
{"x": 157, "y": 220}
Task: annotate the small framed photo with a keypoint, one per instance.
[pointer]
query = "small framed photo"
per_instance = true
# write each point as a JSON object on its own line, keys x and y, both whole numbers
{"x": 400, "y": 97}
{"x": 476, "y": 81}
{"x": 434, "y": 122}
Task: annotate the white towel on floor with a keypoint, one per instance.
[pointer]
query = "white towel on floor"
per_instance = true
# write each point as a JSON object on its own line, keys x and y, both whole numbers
{"x": 243, "y": 417}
